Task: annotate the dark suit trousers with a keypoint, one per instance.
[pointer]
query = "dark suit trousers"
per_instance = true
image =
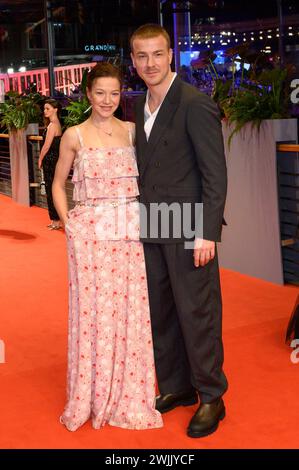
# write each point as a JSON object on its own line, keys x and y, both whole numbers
{"x": 186, "y": 314}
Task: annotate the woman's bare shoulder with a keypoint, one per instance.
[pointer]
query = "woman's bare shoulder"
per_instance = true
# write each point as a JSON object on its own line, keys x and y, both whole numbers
{"x": 126, "y": 124}
{"x": 131, "y": 124}
{"x": 69, "y": 132}
{"x": 132, "y": 128}
{"x": 70, "y": 138}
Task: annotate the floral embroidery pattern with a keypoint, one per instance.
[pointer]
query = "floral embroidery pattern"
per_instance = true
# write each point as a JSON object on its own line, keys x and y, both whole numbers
{"x": 111, "y": 376}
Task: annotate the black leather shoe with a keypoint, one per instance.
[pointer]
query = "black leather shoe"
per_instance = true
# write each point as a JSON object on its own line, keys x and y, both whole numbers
{"x": 172, "y": 400}
{"x": 206, "y": 419}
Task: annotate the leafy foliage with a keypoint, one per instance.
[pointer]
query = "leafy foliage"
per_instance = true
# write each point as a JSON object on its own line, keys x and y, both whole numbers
{"x": 262, "y": 99}
{"x": 77, "y": 112}
{"x": 260, "y": 93}
{"x": 20, "y": 110}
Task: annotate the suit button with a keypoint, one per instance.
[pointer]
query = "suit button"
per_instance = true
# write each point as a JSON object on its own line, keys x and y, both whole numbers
{"x": 157, "y": 164}
{"x": 154, "y": 187}
{"x": 165, "y": 142}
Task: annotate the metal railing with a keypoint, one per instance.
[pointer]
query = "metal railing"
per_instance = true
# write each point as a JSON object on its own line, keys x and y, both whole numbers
{"x": 33, "y": 150}
{"x": 65, "y": 78}
{"x": 5, "y": 177}
{"x": 288, "y": 191}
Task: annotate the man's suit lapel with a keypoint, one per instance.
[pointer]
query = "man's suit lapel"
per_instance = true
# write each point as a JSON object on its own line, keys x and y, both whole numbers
{"x": 162, "y": 120}
{"x": 140, "y": 134}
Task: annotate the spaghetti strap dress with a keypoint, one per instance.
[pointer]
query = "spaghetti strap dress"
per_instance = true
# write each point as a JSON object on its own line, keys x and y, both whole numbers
{"x": 111, "y": 375}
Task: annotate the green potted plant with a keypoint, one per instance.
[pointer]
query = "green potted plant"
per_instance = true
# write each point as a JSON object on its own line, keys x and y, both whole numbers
{"x": 78, "y": 110}
{"x": 255, "y": 117}
{"x": 16, "y": 115}
{"x": 254, "y": 104}
{"x": 19, "y": 110}
{"x": 255, "y": 95}
{"x": 261, "y": 93}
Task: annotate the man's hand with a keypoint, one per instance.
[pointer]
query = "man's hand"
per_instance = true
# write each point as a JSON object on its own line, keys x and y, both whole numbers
{"x": 204, "y": 251}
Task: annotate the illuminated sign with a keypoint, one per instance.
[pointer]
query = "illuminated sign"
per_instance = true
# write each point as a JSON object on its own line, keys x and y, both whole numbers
{"x": 100, "y": 48}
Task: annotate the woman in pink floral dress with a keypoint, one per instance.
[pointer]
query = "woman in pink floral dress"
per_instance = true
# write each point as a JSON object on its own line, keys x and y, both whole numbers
{"x": 111, "y": 377}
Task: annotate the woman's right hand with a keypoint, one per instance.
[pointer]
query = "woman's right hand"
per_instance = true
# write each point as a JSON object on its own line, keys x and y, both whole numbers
{"x": 65, "y": 219}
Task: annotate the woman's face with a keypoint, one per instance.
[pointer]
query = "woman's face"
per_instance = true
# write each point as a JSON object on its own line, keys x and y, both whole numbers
{"x": 49, "y": 110}
{"x": 104, "y": 96}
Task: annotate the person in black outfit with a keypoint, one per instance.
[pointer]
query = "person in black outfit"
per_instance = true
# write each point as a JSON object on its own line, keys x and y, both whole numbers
{"x": 293, "y": 325}
{"x": 181, "y": 159}
{"x": 49, "y": 155}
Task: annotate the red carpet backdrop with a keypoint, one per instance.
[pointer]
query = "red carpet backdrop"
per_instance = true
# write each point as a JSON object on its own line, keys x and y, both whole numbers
{"x": 262, "y": 400}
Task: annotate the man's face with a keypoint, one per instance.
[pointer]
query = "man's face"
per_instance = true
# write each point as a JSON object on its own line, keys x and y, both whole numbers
{"x": 152, "y": 59}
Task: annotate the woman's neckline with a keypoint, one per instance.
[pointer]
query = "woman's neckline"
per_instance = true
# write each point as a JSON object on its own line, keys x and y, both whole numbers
{"x": 85, "y": 147}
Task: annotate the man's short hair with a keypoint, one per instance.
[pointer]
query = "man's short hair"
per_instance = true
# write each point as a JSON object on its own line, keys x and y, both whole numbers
{"x": 149, "y": 30}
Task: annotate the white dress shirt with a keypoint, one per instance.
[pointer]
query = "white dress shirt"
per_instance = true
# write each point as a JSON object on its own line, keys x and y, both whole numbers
{"x": 149, "y": 118}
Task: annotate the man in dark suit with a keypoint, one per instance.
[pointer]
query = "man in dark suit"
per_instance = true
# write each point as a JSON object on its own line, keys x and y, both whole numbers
{"x": 181, "y": 161}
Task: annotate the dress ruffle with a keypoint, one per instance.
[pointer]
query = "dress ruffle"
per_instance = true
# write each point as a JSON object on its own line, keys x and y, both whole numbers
{"x": 105, "y": 173}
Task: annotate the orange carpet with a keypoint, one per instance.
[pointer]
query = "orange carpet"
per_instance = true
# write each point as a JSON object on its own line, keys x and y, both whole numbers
{"x": 262, "y": 401}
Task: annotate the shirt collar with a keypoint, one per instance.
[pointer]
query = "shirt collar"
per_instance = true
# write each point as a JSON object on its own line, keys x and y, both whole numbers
{"x": 147, "y": 110}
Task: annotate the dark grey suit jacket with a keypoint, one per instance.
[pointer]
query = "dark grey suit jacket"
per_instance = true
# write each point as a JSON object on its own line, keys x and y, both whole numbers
{"x": 183, "y": 160}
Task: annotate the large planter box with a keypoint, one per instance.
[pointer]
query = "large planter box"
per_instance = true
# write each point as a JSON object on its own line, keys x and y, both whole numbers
{"x": 251, "y": 241}
{"x": 19, "y": 164}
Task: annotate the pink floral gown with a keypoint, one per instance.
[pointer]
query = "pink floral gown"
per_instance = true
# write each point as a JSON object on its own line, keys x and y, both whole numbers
{"x": 111, "y": 377}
